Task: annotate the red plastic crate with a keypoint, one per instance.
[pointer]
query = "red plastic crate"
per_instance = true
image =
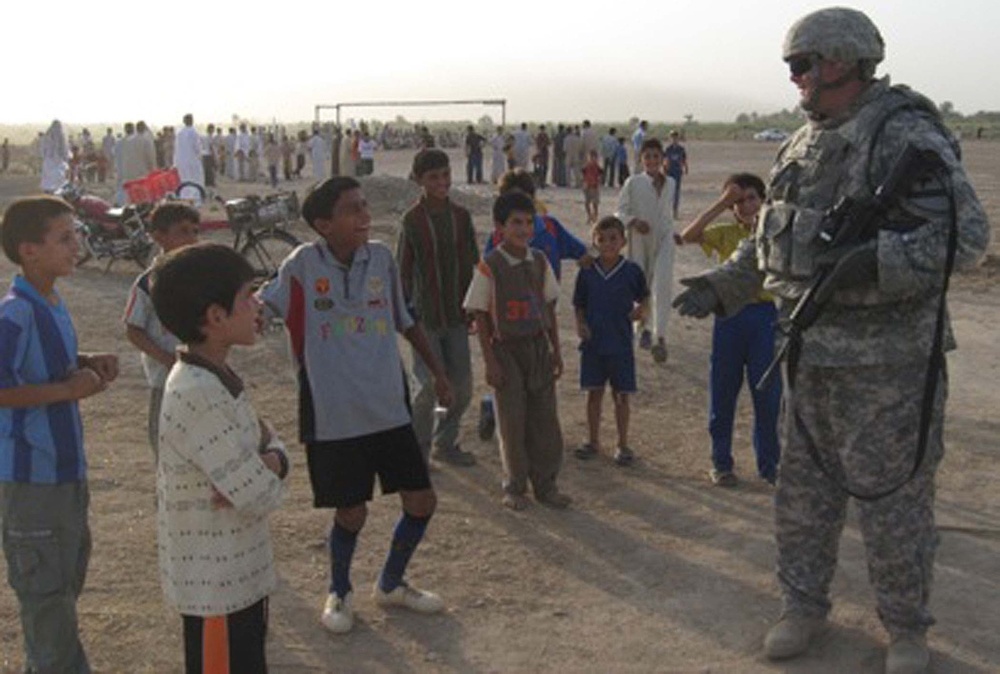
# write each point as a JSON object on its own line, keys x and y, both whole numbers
{"x": 153, "y": 187}
{"x": 138, "y": 191}
{"x": 162, "y": 183}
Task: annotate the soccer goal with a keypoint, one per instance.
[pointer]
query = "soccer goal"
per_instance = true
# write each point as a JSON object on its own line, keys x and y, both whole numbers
{"x": 502, "y": 102}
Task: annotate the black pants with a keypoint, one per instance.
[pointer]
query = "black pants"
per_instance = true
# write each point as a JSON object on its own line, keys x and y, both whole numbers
{"x": 623, "y": 174}
{"x": 609, "y": 171}
{"x": 474, "y": 168}
{"x": 208, "y": 163}
{"x": 235, "y": 641}
{"x": 541, "y": 170}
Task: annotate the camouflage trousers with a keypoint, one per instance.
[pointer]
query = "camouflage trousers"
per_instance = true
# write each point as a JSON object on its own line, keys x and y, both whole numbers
{"x": 863, "y": 422}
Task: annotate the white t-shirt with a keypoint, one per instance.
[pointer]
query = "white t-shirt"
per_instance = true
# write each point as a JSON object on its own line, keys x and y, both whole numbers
{"x": 139, "y": 312}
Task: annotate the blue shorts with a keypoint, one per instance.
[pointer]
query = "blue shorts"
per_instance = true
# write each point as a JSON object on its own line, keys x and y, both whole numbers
{"x": 597, "y": 370}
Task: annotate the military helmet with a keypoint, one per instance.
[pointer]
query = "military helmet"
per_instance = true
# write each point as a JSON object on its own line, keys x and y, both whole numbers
{"x": 836, "y": 34}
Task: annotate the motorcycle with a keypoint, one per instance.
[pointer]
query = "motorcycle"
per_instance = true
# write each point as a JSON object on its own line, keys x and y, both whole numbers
{"x": 107, "y": 231}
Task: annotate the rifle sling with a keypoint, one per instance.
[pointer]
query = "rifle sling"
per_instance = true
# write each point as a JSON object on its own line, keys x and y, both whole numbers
{"x": 935, "y": 367}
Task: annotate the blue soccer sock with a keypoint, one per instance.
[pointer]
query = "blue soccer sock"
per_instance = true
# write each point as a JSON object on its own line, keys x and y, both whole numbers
{"x": 406, "y": 537}
{"x": 342, "y": 543}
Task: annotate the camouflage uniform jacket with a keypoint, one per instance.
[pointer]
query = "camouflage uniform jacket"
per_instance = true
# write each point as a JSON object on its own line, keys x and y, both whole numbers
{"x": 893, "y": 319}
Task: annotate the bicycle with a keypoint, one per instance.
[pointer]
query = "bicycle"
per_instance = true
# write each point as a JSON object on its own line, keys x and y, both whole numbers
{"x": 259, "y": 225}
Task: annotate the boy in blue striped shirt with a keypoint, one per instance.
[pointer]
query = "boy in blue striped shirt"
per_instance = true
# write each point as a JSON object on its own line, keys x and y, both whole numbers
{"x": 43, "y": 485}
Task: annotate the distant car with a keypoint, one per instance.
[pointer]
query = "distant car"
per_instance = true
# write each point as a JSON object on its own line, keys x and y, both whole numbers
{"x": 771, "y": 135}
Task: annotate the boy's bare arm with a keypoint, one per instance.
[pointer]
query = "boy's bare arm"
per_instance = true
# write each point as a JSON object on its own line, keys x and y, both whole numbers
{"x": 694, "y": 232}
{"x": 641, "y": 310}
{"x": 484, "y": 330}
{"x": 140, "y": 340}
{"x": 417, "y": 338}
{"x": 80, "y": 384}
{"x": 582, "y": 329}
{"x": 104, "y": 364}
{"x": 553, "y": 333}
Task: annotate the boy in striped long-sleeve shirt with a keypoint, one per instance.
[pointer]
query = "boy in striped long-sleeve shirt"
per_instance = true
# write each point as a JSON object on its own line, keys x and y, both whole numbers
{"x": 436, "y": 254}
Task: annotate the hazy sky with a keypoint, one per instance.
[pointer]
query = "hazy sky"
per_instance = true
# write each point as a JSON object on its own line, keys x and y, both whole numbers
{"x": 112, "y": 60}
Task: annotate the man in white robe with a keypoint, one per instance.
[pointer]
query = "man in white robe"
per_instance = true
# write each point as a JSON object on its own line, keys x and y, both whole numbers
{"x": 499, "y": 160}
{"x": 55, "y": 155}
{"x": 317, "y": 154}
{"x": 645, "y": 206}
{"x": 187, "y": 158}
{"x": 522, "y": 146}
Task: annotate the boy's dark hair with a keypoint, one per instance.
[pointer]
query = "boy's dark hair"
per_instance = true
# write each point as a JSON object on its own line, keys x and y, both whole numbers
{"x": 747, "y": 181}
{"x": 510, "y": 201}
{"x": 320, "y": 201}
{"x": 187, "y": 281}
{"x": 609, "y": 222}
{"x": 429, "y": 159}
{"x": 651, "y": 144}
{"x": 27, "y": 221}
{"x": 170, "y": 213}
{"x": 517, "y": 179}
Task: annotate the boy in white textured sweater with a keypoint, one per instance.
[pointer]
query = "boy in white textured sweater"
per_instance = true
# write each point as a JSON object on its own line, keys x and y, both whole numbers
{"x": 220, "y": 469}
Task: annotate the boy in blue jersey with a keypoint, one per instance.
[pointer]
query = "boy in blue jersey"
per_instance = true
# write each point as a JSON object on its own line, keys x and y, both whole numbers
{"x": 43, "y": 471}
{"x": 608, "y": 297}
{"x": 342, "y": 301}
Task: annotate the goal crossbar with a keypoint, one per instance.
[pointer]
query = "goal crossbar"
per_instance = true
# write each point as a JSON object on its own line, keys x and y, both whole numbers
{"x": 502, "y": 102}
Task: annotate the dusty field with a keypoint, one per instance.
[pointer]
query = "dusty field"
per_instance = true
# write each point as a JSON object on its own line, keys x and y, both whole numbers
{"x": 652, "y": 569}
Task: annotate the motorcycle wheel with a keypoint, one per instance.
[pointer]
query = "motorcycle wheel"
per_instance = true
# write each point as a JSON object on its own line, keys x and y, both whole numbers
{"x": 143, "y": 254}
{"x": 85, "y": 251}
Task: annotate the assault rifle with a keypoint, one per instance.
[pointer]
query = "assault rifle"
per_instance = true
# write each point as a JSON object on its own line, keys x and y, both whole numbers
{"x": 850, "y": 223}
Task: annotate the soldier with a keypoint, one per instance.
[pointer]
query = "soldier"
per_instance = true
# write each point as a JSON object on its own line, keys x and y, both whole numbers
{"x": 854, "y": 382}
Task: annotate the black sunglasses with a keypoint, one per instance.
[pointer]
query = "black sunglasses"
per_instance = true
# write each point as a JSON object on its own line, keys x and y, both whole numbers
{"x": 800, "y": 65}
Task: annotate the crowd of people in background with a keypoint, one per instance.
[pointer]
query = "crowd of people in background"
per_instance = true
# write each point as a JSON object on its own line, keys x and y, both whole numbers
{"x": 271, "y": 153}
{"x": 242, "y": 152}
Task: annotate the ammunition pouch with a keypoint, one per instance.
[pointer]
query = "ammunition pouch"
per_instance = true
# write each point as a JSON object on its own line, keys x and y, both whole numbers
{"x": 788, "y": 241}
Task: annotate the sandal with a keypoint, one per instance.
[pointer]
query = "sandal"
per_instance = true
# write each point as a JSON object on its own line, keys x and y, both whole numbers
{"x": 515, "y": 501}
{"x": 624, "y": 456}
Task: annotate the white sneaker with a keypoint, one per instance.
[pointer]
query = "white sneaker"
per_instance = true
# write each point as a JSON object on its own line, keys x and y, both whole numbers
{"x": 409, "y": 597}
{"x": 338, "y": 614}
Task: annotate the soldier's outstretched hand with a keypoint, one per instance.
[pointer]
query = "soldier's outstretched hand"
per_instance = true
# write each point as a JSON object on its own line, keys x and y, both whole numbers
{"x": 698, "y": 300}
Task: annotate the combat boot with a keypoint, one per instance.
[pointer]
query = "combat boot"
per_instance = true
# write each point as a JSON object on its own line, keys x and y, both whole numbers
{"x": 791, "y": 636}
{"x": 908, "y": 655}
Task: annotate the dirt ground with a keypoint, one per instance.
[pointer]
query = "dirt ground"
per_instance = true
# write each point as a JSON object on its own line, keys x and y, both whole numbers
{"x": 651, "y": 570}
